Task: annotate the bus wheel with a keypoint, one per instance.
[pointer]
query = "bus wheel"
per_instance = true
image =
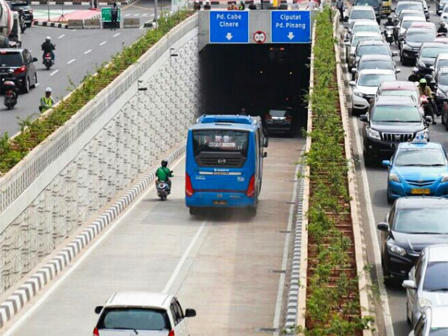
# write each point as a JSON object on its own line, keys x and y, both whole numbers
{"x": 252, "y": 211}
{"x": 193, "y": 211}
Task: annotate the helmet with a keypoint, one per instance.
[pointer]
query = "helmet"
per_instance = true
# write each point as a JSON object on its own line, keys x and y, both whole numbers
{"x": 48, "y": 89}
{"x": 428, "y": 78}
{"x": 422, "y": 81}
{"x": 415, "y": 70}
{"x": 48, "y": 39}
{"x": 442, "y": 24}
{"x": 164, "y": 163}
{"x": 389, "y": 18}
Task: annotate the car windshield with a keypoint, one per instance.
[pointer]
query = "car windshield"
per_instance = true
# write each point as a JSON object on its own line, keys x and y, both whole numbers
{"x": 10, "y": 59}
{"x": 279, "y": 113}
{"x": 436, "y": 277}
{"x": 393, "y": 113}
{"x": 412, "y": 93}
{"x": 442, "y": 63}
{"x": 134, "y": 319}
{"x": 443, "y": 79}
{"x": 431, "y": 52}
{"x": 365, "y": 28}
{"x": 419, "y": 221}
{"x": 373, "y": 80}
{"x": 220, "y": 140}
{"x": 420, "y": 36}
{"x": 386, "y": 65}
{"x": 373, "y": 50}
{"x": 413, "y": 6}
{"x": 362, "y": 14}
{"x": 438, "y": 331}
{"x": 358, "y": 38}
{"x": 372, "y": 3}
{"x": 420, "y": 157}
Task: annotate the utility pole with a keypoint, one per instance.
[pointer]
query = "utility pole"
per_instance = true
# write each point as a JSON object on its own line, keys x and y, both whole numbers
{"x": 155, "y": 10}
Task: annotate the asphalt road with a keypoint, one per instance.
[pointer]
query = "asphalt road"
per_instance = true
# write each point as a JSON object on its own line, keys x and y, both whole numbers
{"x": 223, "y": 264}
{"x": 376, "y": 187}
{"x": 78, "y": 52}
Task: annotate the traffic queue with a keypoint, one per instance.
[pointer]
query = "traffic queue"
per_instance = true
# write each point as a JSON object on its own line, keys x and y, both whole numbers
{"x": 397, "y": 118}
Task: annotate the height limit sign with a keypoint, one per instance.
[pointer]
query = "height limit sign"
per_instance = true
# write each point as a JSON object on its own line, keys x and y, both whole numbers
{"x": 291, "y": 26}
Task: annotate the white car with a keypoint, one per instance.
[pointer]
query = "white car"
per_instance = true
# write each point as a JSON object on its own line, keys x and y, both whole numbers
{"x": 428, "y": 282}
{"x": 433, "y": 322}
{"x": 363, "y": 26}
{"x": 361, "y": 13}
{"x": 406, "y": 23}
{"x": 365, "y": 87}
{"x": 142, "y": 313}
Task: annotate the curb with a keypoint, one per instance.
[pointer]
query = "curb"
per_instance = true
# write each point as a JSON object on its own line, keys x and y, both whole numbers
{"x": 50, "y": 24}
{"x": 71, "y": 3}
{"x": 18, "y": 299}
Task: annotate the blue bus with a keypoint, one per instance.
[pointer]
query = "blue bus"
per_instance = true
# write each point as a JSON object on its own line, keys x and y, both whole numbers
{"x": 224, "y": 162}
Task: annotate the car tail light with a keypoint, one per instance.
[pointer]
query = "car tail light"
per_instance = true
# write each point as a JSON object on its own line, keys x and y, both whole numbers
{"x": 188, "y": 188}
{"x": 31, "y": 11}
{"x": 289, "y": 118}
{"x": 267, "y": 117}
{"x": 96, "y": 332}
{"x": 172, "y": 333}
{"x": 251, "y": 188}
{"x": 20, "y": 70}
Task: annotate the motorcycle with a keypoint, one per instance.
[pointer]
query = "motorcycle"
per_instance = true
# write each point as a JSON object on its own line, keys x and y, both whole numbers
{"x": 10, "y": 89}
{"x": 48, "y": 62}
{"x": 426, "y": 104}
{"x": 389, "y": 33}
{"x": 163, "y": 190}
{"x": 441, "y": 34}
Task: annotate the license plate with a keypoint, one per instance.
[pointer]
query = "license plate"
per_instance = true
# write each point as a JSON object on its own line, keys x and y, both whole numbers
{"x": 220, "y": 202}
{"x": 420, "y": 191}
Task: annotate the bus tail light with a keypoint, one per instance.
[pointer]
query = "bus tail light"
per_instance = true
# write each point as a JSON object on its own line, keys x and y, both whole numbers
{"x": 188, "y": 187}
{"x": 96, "y": 332}
{"x": 251, "y": 188}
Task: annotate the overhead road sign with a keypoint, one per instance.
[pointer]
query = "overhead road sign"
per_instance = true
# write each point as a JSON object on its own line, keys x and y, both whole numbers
{"x": 229, "y": 27}
{"x": 291, "y": 26}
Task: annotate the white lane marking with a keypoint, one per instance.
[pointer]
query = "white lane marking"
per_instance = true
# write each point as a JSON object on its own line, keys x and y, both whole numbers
{"x": 137, "y": 14}
{"x": 86, "y": 52}
{"x": 71, "y": 61}
{"x": 145, "y": 14}
{"x": 116, "y": 34}
{"x": 78, "y": 262}
{"x": 30, "y": 50}
{"x": 127, "y": 14}
{"x": 373, "y": 232}
{"x": 54, "y": 72}
{"x": 281, "y": 283}
{"x": 102, "y": 43}
{"x": 184, "y": 257}
{"x": 61, "y": 36}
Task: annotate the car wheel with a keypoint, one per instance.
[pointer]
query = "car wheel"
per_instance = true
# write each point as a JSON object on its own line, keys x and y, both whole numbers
{"x": 193, "y": 211}
{"x": 35, "y": 81}
{"x": 407, "y": 314}
{"x": 386, "y": 275}
{"x": 252, "y": 211}
{"x": 368, "y": 159}
{"x": 26, "y": 85}
{"x": 355, "y": 112}
{"x": 390, "y": 200}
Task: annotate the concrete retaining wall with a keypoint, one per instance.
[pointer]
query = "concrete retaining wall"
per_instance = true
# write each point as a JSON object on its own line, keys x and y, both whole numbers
{"x": 98, "y": 153}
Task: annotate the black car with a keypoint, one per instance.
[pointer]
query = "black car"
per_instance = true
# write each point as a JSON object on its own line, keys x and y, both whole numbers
{"x": 413, "y": 40}
{"x": 21, "y": 61}
{"x": 24, "y": 9}
{"x": 412, "y": 224}
{"x": 381, "y": 62}
{"x": 280, "y": 121}
{"x": 428, "y": 54}
{"x": 391, "y": 120}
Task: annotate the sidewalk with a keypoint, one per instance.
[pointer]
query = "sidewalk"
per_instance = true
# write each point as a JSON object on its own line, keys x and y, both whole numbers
{"x": 53, "y": 17}
{"x": 79, "y": 3}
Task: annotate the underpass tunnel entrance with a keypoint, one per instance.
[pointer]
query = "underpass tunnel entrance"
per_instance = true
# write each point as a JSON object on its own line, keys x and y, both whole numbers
{"x": 258, "y": 78}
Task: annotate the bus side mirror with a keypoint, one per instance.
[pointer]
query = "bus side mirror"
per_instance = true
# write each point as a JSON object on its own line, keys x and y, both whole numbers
{"x": 265, "y": 154}
{"x": 265, "y": 142}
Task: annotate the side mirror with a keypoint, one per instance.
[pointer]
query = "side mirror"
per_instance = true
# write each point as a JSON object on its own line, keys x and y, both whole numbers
{"x": 352, "y": 83}
{"x": 98, "y": 309}
{"x": 363, "y": 118}
{"x": 431, "y": 67}
{"x": 394, "y": 53}
{"x": 190, "y": 313}
{"x": 347, "y": 43}
{"x": 265, "y": 142}
{"x": 428, "y": 119}
{"x": 383, "y": 226}
{"x": 352, "y": 54}
{"x": 345, "y": 18}
{"x": 409, "y": 284}
{"x": 398, "y": 70}
{"x": 354, "y": 70}
{"x": 34, "y": 59}
{"x": 385, "y": 163}
{"x": 265, "y": 154}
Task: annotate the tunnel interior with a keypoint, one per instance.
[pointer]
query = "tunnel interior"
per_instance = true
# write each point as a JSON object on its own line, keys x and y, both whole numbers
{"x": 256, "y": 77}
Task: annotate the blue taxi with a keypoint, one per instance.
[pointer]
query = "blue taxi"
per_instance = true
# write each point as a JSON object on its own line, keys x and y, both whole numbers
{"x": 417, "y": 168}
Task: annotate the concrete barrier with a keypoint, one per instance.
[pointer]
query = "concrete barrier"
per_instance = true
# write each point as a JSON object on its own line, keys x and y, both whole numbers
{"x": 75, "y": 24}
{"x": 92, "y": 23}
{"x": 131, "y": 23}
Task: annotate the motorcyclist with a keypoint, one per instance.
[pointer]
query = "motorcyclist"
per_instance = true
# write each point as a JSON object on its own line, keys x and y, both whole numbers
{"x": 163, "y": 174}
{"x": 389, "y": 22}
{"x": 425, "y": 90}
{"x": 12, "y": 78}
{"x": 442, "y": 29}
{"x": 48, "y": 47}
{"x": 414, "y": 77}
{"x": 432, "y": 85}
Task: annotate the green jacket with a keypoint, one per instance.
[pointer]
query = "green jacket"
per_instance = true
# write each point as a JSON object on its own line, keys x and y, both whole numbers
{"x": 163, "y": 173}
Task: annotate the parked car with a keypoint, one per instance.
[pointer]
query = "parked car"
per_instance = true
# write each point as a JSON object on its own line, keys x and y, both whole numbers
{"x": 428, "y": 54}
{"x": 381, "y": 62}
{"x": 391, "y": 120}
{"x": 361, "y": 13}
{"x": 24, "y": 9}
{"x": 411, "y": 225}
{"x": 432, "y": 322}
{"x": 428, "y": 282}
{"x": 412, "y": 41}
{"x": 280, "y": 121}
{"x": 353, "y": 43}
{"x": 142, "y": 313}
{"x": 365, "y": 87}
{"x": 21, "y": 61}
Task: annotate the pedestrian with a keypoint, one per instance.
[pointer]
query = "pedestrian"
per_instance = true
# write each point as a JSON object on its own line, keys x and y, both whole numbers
{"x": 340, "y": 8}
{"x": 310, "y": 5}
{"x": 197, "y": 5}
{"x": 207, "y": 5}
{"x": 252, "y": 6}
{"x": 47, "y": 101}
{"x": 242, "y": 5}
{"x": 114, "y": 16}
{"x": 244, "y": 112}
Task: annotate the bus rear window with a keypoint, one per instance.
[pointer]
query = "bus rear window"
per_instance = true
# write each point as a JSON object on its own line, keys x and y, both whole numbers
{"x": 220, "y": 141}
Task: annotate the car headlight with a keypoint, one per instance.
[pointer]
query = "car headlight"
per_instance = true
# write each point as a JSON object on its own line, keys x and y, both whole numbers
{"x": 424, "y": 134}
{"x": 371, "y": 133}
{"x": 396, "y": 249}
{"x": 444, "y": 178}
{"x": 394, "y": 177}
{"x": 357, "y": 93}
{"x": 423, "y": 303}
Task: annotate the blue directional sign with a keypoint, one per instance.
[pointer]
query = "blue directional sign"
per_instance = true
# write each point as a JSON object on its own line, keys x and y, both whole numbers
{"x": 229, "y": 27}
{"x": 291, "y": 26}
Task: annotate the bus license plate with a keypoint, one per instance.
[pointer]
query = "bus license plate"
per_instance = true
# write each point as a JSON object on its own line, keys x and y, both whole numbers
{"x": 420, "y": 191}
{"x": 220, "y": 202}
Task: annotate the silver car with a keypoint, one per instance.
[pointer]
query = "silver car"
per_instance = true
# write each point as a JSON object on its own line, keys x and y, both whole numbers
{"x": 433, "y": 322}
{"x": 351, "y": 45}
{"x": 428, "y": 282}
